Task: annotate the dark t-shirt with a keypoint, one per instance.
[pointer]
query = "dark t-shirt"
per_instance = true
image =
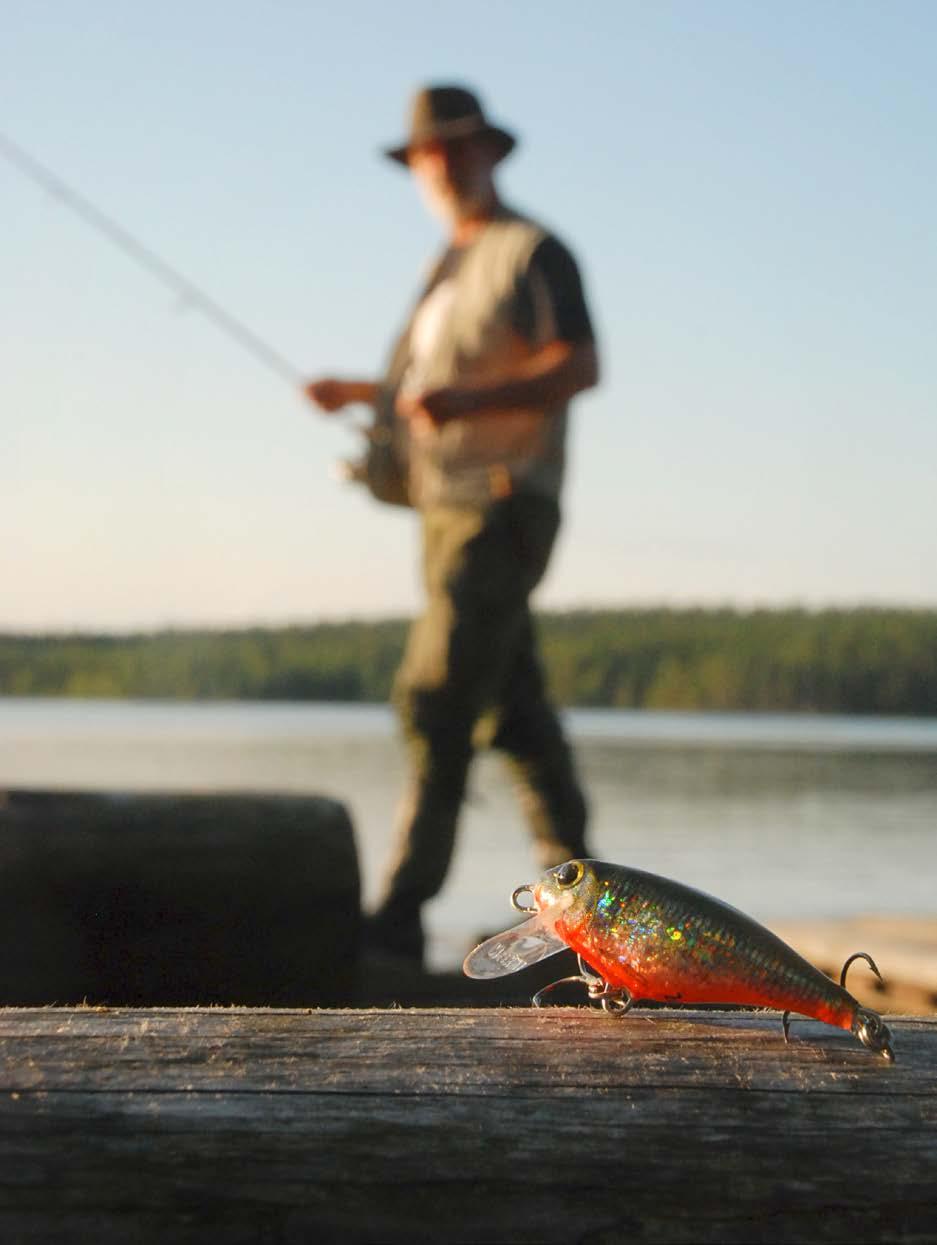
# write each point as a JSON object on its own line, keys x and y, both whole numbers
{"x": 557, "y": 270}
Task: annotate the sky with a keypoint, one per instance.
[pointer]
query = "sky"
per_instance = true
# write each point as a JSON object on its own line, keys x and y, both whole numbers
{"x": 750, "y": 192}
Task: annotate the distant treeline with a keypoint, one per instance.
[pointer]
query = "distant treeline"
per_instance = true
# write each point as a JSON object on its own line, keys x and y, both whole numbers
{"x": 847, "y": 661}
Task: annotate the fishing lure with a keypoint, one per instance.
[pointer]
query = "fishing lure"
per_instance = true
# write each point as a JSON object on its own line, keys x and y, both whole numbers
{"x": 643, "y": 937}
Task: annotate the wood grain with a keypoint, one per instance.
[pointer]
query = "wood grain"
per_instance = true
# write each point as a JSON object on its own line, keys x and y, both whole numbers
{"x": 460, "y": 1125}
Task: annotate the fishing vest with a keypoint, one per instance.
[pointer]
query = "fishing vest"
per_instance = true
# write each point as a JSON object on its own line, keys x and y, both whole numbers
{"x": 472, "y": 460}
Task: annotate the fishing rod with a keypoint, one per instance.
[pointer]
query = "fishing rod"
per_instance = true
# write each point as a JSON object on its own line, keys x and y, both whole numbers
{"x": 146, "y": 258}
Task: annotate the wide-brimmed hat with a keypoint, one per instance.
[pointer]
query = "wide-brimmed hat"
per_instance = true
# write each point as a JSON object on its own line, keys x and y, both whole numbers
{"x": 443, "y": 112}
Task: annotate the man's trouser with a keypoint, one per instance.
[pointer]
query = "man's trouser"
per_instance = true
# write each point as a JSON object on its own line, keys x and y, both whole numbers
{"x": 471, "y": 661}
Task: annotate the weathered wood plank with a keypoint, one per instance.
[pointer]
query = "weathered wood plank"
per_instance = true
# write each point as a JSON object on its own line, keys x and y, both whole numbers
{"x": 555, "y": 1052}
{"x": 485, "y": 1125}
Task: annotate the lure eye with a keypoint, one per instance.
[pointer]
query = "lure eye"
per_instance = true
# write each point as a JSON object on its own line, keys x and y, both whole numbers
{"x": 569, "y": 874}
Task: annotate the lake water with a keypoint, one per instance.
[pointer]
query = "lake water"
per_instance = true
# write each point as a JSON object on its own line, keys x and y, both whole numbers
{"x": 785, "y": 816}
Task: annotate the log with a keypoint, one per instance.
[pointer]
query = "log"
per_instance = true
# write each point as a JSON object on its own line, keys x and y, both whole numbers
{"x": 179, "y": 899}
{"x": 490, "y": 1125}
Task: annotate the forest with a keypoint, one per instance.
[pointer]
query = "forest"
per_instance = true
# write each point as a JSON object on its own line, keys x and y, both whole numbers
{"x": 845, "y": 661}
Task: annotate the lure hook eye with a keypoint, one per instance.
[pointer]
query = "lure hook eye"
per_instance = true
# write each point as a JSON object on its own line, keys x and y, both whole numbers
{"x": 530, "y": 909}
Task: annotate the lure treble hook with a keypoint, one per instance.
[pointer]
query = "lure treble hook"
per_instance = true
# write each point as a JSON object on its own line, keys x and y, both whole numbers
{"x": 859, "y": 955}
{"x": 867, "y": 1026}
{"x": 615, "y": 1000}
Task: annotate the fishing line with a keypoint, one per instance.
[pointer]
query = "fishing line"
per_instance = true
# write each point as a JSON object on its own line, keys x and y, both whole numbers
{"x": 125, "y": 241}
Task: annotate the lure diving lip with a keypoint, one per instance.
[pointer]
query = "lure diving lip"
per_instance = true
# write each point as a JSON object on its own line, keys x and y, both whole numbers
{"x": 516, "y": 948}
{"x": 642, "y": 936}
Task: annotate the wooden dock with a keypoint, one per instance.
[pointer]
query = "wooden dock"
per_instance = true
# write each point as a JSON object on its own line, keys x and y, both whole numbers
{"x": 460, "y": 1125}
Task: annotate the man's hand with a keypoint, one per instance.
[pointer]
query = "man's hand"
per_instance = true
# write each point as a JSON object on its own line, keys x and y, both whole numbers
{"x": 331, "y": 394}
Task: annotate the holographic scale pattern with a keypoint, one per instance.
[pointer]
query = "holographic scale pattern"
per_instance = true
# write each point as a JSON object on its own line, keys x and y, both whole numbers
{"x": 668, "y": 942}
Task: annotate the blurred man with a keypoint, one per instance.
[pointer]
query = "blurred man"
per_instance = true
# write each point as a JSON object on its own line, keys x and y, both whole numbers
{"x": 470, "y": 430}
